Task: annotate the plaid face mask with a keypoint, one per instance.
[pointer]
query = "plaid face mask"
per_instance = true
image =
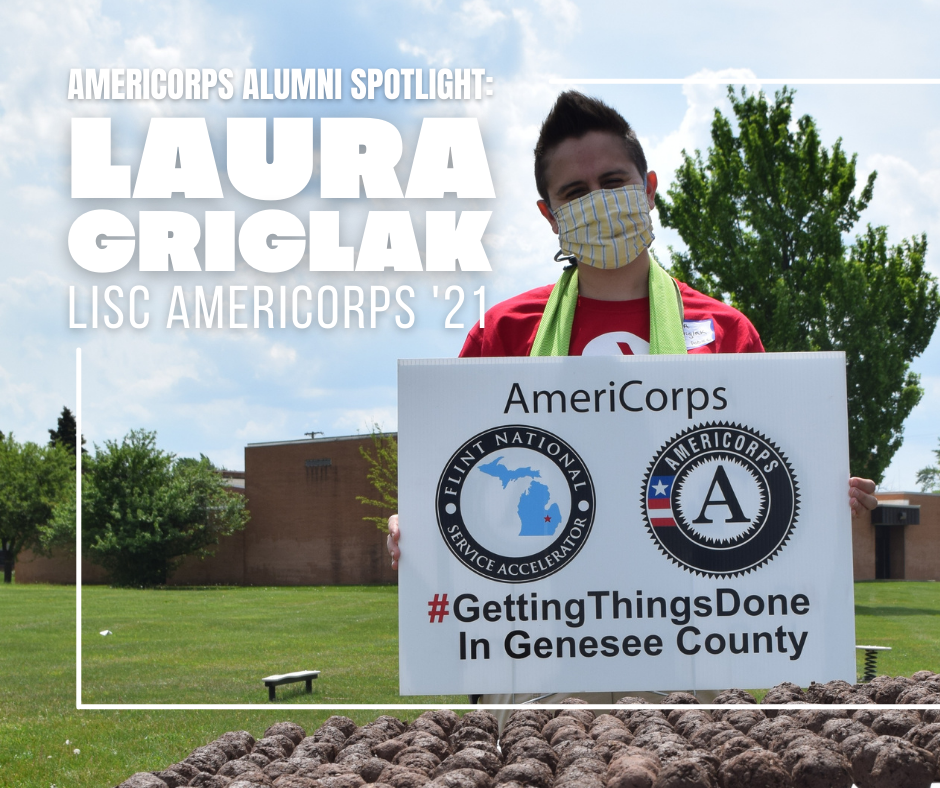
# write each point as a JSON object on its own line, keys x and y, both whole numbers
{"x": 608, "y": 228}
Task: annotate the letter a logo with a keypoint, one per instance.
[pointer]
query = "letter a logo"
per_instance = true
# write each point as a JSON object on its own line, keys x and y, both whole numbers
{"x": 730, "y": 500}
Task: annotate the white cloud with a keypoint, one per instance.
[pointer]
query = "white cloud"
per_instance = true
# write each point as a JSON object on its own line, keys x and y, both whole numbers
{"x": 564, "y": 13}
{"x": 360, "y": 420}
{"x": 479, "y": 15}
{"x": 442, "y": 57}
{"x": 257, "y": 431}
{"x": 282, "y": 354}
{"x": 933, "y": 143}
{"x": 144, "y": 50}
{"x": 906, "y": 198}
{"x": 25, "y": 407}
{"x": 37, "y": 195}
{"x": 128, "y": 376}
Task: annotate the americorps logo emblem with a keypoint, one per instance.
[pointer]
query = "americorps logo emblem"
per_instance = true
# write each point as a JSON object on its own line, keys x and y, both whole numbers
{"x": 515, "y": 504}
{"x": 720, "y": 499}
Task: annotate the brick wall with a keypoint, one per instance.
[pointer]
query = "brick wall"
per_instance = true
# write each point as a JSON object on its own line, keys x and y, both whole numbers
{"x": 915, "y": 549}
{"x": 921, "y": 552}
{"x": 863, "y": 547}
{"x": 32, "y": 568}
{"x": 307, "y": 526}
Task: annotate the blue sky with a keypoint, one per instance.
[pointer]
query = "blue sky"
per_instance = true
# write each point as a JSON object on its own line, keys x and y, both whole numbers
{"x": 214, "y": 391}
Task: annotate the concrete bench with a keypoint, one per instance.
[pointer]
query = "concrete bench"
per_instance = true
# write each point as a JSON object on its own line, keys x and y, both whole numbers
{"x": 290, "y": 678}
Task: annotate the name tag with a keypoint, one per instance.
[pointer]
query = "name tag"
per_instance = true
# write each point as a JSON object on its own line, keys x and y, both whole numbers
{"x": 698, "y": 332}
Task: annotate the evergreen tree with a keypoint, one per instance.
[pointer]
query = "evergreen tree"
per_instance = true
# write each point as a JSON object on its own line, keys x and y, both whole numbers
{"x": 64, "y": 433}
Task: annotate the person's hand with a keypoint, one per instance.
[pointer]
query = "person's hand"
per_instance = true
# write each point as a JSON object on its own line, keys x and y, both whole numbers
{"x": 394, "y": 534}
{"x": 861, "y": 496}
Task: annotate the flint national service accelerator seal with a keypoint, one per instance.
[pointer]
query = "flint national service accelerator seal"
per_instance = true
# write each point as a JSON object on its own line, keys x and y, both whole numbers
{"x": 720, "y": 499}
{"x": 515, "y": 504}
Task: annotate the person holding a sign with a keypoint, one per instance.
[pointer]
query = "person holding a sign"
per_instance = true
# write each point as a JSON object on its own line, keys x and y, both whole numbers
{"x": 613, "y": 297}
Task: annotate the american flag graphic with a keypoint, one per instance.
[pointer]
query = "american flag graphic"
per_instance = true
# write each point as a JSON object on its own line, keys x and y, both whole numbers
{"x": 659, "y": 501}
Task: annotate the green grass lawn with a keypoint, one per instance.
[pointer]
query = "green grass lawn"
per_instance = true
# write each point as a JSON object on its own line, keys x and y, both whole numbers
{"x": 904, "y": 616}
{"x": 212, "y": 646}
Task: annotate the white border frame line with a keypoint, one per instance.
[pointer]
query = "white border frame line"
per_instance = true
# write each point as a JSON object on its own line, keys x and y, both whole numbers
{"x": 740, "y": 81}
{"x": 255, "y": 706}
{"x": 78, "y": 528}
{"x": 478, "y": 707}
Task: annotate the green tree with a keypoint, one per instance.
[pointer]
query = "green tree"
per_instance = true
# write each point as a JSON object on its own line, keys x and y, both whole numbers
{"x": 57, "y": 534}
{"x": 383, "y": 476}
{"x": 65, "y": 432}
{"x": 764, "y": 220}
{"x": 143, "y": 510}
{"x": 33, "y": 479}
{"x": 929, "y": 478}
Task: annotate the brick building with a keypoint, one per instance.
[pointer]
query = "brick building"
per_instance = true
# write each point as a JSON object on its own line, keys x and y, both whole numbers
{"x": 900, "y": 540}
{"x": 306, "y": 525}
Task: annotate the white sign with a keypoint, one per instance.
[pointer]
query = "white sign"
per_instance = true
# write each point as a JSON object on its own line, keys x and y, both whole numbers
{"x": 624, "y": 523}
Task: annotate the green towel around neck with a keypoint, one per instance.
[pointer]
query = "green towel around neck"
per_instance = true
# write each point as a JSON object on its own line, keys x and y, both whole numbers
{"x": 666, "y": 335}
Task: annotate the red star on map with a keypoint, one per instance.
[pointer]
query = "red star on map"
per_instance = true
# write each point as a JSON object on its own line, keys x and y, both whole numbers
{"x": 548, "y": 519}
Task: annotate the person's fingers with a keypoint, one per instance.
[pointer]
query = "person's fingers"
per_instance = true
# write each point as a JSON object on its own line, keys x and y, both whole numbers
{"x": 865, "y": 485}
{"x": 394, "y": 534}
{"x": 860, "y": 495}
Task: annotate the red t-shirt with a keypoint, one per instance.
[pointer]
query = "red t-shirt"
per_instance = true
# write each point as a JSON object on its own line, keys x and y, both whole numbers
{"x": 611, "y": 327}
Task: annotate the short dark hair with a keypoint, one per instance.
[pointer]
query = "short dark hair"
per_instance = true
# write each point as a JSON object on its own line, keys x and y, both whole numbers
{"x": 573, "y": 116}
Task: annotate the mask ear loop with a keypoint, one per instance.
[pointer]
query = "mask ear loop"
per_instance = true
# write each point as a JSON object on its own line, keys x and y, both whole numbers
{"x": 572, "y": 261}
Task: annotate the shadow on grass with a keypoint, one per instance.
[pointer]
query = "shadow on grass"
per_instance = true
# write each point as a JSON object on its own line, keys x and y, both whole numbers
{"x": 288, "y": 693}
{"x": 862, "y": 610}
{"x": 190, "y": 588}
